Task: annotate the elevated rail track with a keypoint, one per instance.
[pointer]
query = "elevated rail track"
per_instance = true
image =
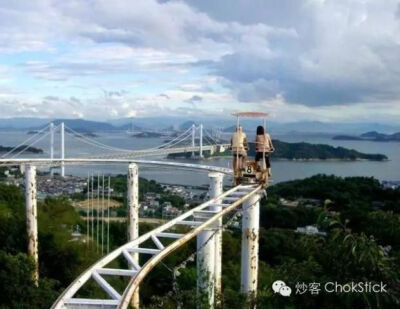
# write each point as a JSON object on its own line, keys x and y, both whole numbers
{"x": 203, "y": 222}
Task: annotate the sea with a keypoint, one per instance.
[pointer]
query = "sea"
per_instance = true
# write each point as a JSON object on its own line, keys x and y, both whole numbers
{"x": 282, "y": 170}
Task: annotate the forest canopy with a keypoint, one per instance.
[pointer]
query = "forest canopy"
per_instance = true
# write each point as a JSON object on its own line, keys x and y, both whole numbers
{"x": 362, "y": 243}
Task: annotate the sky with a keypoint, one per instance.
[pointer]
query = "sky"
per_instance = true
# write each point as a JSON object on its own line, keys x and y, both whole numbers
{"x": 326, "y": 60}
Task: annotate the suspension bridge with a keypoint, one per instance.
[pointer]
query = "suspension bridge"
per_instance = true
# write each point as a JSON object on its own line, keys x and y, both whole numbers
{"x": 184, "y": 142}
{"x": 204, "y": 222}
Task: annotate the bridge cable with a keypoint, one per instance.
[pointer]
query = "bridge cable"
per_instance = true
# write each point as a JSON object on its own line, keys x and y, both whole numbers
{"x": 93, "y": 142}
{"x": 177, "y": 142}
{"x": 30, "y": 145}
{"x": 117, "y": 148}
{"x": 174, "y": 139}
{"x": 25, "y": 141}
{"x": 210, "y": 136}
{"x": 26, "y": 147}
{"x": 209, "y": 140}
{"x": 138, "y": 152}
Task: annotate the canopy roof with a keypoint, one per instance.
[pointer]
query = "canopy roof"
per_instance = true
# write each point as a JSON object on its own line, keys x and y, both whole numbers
{"x": 250, "y": 114}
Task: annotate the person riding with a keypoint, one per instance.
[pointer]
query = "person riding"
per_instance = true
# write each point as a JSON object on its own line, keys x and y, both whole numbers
{"x": 264, "y": 147}
{"x": 239, "y": 146}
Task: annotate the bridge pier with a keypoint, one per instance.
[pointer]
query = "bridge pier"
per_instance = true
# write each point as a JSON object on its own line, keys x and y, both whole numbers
{"x": 209, "y": 253}
{"x": 133, "y": 220}
{"x": 205, "y": 269}
{"x": 216, "y": 189}
{"x": 31, "y": 218}
{"x": 249, "y": 254}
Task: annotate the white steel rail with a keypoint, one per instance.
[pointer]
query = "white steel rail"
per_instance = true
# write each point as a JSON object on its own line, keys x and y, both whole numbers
{"x": 228, "y": 201}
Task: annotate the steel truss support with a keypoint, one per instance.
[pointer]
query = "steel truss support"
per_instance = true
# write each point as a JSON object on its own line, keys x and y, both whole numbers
{"x": 133, "y": 222}
{"x": 31, "y": 218}
{"x": 229, "y": 201}
{"x": 249, "y": 256}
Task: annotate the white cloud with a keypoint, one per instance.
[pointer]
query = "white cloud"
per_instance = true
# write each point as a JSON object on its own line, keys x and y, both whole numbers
{"x": 287, "y": 56}
{"x": 349, "y": 57}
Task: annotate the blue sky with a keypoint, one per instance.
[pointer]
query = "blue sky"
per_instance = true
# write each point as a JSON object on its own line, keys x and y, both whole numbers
{"x": 327, "y": 60}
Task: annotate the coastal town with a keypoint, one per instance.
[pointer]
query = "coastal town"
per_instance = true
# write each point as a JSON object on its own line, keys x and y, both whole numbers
{"x": 75, "y": 188}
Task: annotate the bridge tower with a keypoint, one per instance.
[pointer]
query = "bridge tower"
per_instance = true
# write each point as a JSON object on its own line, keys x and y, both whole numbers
{"x": 193, "y": 138}
{"x": 201, "y": 141}
{"x": 62, "y": 149}
{"x": 51, "y": 145}
{"x": 51, "y": 140}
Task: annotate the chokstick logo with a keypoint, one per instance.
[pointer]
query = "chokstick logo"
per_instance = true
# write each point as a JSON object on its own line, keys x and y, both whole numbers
{"x": 280, "y": 287}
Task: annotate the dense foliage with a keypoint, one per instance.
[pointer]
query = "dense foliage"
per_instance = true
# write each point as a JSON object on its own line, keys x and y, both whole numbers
{"x": 362, "y": 243}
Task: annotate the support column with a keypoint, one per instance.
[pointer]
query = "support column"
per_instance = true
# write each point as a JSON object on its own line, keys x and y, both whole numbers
{"x": 201, "y": 141}
{"x": 216, "y": 189}
{"x": 205, "y": 269}
{"x": 249, "y": 256}
{"x": 31, "y": 218}
{"x": 133, "y": 220}
{"x": 51, "y": 146}
{"x": 193, "y": 138}
{"x": 62, "y": 150}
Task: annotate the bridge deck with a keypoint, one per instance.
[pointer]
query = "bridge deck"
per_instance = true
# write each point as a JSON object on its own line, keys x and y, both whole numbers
{"x": 73, "y": 161}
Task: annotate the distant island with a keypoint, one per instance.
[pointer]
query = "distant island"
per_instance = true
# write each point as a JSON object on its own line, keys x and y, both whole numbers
{"x": 86, "y": 134}
{"x": 79, "y": 133}
{"x": 148, "y": 134}
{"x": 305, "y": 151}
{"x": 370, "y": 136}
{"x": 4, "y": 149}
{"x": 32, "y": 132}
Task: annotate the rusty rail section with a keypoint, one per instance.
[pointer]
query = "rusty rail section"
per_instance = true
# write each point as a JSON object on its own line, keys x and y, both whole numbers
{"x": 228, "y": 201}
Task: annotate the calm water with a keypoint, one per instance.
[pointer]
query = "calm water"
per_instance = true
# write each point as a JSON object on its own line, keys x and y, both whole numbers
{"x": 282, "y": 170}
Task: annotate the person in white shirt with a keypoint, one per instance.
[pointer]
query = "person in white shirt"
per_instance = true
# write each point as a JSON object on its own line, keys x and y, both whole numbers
{"x": 239, "y": 146}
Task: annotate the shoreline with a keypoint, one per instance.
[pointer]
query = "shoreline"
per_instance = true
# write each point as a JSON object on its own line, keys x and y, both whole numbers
{"x": 286, "y": 159}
